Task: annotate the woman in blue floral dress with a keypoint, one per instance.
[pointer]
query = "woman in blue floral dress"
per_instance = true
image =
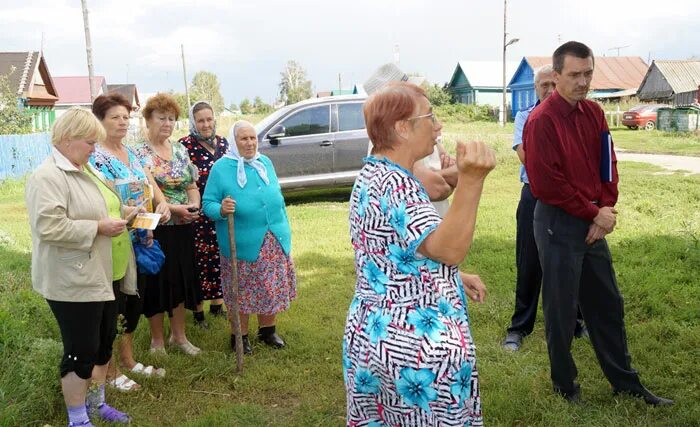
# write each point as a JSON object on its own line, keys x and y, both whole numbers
{"x": 128, "y": 176}
{"x": 408, "y": 353}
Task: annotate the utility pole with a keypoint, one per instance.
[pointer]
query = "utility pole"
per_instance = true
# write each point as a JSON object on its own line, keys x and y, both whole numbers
{"x": 184, "y": 73}
{"x": 88, "y": 48}
{"x": 505, "y": 34}
{"x": 504, "y": 110}
{"x": 340, "y": 86}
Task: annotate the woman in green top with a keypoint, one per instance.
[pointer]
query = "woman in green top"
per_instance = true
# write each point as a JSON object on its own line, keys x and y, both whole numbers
{"x": 81, "y": 253}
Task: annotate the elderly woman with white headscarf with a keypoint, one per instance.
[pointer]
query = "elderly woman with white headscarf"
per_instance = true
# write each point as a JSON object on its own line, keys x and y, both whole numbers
{"x": 244, "y": 182}
{"x": 205, "y": 147}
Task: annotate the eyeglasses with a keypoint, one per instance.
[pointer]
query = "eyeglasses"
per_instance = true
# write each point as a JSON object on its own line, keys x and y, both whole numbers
{"x": 432, "y": 116}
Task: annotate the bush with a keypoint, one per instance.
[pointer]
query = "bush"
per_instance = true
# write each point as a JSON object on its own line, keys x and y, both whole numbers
{"x": 465, "y": 113}
{"x": 13, "y": 120}
{"x": 438, "y": 96}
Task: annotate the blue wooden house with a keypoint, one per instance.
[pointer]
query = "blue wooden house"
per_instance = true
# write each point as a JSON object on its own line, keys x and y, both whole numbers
{"x": 479, "y": 82}
{"x": 522, "y": 83}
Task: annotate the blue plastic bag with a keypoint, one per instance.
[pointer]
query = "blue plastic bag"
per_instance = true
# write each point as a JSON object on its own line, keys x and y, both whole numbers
{"x": 149, "y": 260}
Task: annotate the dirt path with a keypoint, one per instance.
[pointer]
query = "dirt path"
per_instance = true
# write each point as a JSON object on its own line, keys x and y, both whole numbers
{"x": 666, "y": 161}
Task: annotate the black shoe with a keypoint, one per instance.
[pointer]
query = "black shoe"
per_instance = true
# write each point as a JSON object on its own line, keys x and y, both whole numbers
{"x": 217, "y": 310}
{"x": 513, "y": 341}
{"x": 221, "y": 313}
{"x": 269, "y": 337}
{"x": 199, "y": 320}
{"x": 581, "y": 331}
{"x": 572, "y": 396}
{"x": 247, "y": 348}
{"x": 649, "y": 397}
{"x": 202, "y": 324}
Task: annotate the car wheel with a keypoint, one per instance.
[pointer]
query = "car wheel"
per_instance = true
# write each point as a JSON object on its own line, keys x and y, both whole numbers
{"x": 650, "y": 125}
{"x": 632, "y": 127}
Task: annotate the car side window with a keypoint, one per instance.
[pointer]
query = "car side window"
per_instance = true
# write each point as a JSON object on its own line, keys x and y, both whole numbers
{"x": 350, "y": 116}
{"x": 308, "y": 122}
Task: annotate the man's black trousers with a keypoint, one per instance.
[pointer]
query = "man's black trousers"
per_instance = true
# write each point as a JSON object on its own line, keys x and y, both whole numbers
{"x": 529, "y": 273}
{"x": 575, "y": 273}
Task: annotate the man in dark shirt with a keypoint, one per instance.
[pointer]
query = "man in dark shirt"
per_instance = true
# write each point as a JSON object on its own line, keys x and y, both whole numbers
{"x": 572, "y": 169}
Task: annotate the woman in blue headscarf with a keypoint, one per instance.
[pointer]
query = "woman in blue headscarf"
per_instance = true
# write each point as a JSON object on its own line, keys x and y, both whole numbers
{"x": 244, "y": 181}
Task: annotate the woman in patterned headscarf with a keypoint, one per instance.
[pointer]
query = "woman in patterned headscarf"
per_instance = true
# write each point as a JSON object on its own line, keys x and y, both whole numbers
{"x": 205, "y": 147}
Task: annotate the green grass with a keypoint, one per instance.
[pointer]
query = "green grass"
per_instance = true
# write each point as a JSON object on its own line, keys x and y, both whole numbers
{"x": 639, "y": 141}
{"x": 657, "y": 258}
{"x": 642, "y": 141}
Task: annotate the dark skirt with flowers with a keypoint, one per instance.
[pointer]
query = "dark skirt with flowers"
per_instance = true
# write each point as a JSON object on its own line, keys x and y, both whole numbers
{"x": 207, "y": 259}
{"x": 265, "y": 286}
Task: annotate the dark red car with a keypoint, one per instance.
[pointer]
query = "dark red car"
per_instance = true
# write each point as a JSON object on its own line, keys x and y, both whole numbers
{"x": 643, "y": 115}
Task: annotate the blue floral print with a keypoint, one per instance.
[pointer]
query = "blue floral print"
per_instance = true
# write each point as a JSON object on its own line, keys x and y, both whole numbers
{"x": 461, "y": 388}
{"x": 426, "y": 322}
{"x": 376, "y": 326}
{"x": 414, "y": 387}
{"x": 365, "y": 382}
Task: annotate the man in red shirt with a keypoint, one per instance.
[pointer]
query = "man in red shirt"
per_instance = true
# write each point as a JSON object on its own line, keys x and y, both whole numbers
{"x": 571, "y": 165}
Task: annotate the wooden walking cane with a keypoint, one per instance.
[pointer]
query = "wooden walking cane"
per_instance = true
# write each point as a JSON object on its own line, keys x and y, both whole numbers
{"x": 235, "y": 320}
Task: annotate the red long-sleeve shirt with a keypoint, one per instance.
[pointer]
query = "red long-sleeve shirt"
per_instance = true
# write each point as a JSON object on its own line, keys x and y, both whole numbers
{"x": 562, "y": 146}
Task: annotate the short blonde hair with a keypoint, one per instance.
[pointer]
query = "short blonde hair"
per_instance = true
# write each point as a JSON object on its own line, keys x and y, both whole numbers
{"x": 77, "y": 123}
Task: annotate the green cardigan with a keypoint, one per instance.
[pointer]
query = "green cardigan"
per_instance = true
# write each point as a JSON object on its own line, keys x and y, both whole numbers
{"x": 259, "y": 208}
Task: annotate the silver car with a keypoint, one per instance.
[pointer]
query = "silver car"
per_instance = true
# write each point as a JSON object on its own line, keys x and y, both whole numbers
{"x": 319, "y": 142}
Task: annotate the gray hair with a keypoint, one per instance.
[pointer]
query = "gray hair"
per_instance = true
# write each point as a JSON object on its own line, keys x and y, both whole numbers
{"x": 239, "y": 125}
{"x": 545, "y": 69}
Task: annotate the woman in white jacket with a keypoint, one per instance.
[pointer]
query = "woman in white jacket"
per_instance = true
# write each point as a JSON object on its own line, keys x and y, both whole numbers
{"x": 81, "y": 251}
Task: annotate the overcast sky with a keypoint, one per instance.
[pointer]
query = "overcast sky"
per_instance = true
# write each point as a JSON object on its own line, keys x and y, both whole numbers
{"x": 246, "y": 43}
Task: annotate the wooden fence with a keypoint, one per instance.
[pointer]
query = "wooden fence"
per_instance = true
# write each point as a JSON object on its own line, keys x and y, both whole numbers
{"x": 21, "y": 154}
{"x": 614, "y": 118}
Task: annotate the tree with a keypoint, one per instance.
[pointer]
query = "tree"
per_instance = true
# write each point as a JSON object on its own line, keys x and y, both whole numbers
{"x": 205, "y": 87}
{"x": 246, "y": 106}
{"x": 12, "y": 119}
{"x": 261, "y": 107}
{"x": 233, "y": 107}
{"x": 438, "y": 95}
{"x": 294, "y": 85}
{"x": 181, "y": 100}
